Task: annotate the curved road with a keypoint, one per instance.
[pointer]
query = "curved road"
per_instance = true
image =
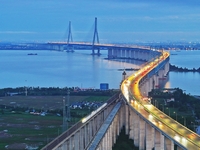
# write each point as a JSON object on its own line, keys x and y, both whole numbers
{"x": 181, "y": 135}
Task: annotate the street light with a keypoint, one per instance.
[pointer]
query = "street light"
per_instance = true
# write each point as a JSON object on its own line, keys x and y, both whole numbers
{"x": 176, "y": 115}
{"x": 169, "y": 111}
{"x": 162, "y": 107}
{"x": 156, "y": 103}
{"x": 193, "y": 125}
{"x": 184, "y": 121}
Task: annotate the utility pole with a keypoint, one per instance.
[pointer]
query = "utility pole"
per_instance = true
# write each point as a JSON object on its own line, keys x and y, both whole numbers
{"x": 64, "y": 115}
{"x": 68, "y": 108}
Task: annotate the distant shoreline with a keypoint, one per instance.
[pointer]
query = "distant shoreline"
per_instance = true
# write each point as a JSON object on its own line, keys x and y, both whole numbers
{"x": 180, "y": 69}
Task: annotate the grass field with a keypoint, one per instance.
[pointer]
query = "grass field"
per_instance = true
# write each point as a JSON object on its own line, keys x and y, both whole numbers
{"x": 19, "y": 129}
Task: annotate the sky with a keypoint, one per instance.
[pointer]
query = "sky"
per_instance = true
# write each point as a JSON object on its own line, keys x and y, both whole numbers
{"x": 122, "y": 21}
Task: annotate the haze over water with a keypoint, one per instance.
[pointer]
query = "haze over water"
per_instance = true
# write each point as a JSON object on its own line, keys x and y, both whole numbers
{"x": 62, "y": 69}
{"x": 59, "y": 69}
{"x": 187, "y": 81}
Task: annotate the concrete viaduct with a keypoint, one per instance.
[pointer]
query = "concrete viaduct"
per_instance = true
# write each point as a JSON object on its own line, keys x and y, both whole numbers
{"x": 100, "y": 129}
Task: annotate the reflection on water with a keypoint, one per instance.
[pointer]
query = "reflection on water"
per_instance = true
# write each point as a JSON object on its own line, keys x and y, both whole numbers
{"x": 61, "y": 69}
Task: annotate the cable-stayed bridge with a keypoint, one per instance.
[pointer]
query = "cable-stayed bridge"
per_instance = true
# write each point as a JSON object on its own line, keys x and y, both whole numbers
{"x": 149, "y": 127}
{"x": 70, "y": 46}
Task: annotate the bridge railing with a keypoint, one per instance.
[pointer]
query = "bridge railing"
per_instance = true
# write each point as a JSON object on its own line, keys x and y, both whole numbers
{"x": 67, "y": 134}
{"x": 136, "y": 96}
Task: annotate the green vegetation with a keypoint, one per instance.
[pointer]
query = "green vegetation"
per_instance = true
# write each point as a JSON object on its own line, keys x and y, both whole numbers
{"x": 21, "y": 123}
{"x": 182, "y": 107}
{"x": 123, "y": 142}
{"x": 34, "y": 130}
{"x": 54, "y": 91}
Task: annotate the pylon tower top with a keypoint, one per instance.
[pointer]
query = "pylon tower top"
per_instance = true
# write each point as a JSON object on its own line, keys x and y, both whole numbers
{"x": 96, "y": 36}
{"x": 69, "y": 38}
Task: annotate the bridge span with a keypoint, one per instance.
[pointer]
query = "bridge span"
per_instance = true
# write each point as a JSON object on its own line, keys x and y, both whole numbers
{"x": 149, "y": 127}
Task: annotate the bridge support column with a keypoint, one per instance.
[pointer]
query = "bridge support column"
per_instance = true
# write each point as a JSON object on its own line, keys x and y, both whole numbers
{"x": 115, "y": 53}
{"x": 112, "y": 134}
{"x": 169, "y": 145}
{"x": 132, "y": 54}
{"x": 90, "y": 130}
{"x": 159, "y": 138}
{"x": 127, "y": 53}
{"x": 149, "y": 137}
{"x": 149, "y": 86}
{"x": 142, "y": 135}
{"x": 131, "y": 126}
{"x": 86, "y": 135}
{"x": 99, "y": 121}
{"x": 110, "y": 53}
{"x": 123, "y": 54}
{"x": 119, "y": 53}
{"x": 64, "y": 146}
{"x": 77, "y": 141}
{"x": 136, "y": 54}
{"x": 179, "y": 148}
{"x": 127, "y": 117}
{"x": 122, "y": 113}
{"x": 136, "y": 128}
{"x": 155, "y": 79}
{"x": 110, "y": 143}
{"x": 81, "y": 138}
{"x": 145, "y": 56}
{"x": 146, "y": 90}
{"x": 166, "y": 68}
{"x": 72, "y": 142}
{"x": 105, "y": 141}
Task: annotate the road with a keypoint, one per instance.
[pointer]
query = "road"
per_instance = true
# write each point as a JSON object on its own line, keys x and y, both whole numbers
{"x": 168, "y": 126}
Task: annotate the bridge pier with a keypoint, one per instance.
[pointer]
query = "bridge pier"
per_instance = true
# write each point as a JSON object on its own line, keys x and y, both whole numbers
{"x": 131, "y": 54}
{"x": 159, "y": 141}
{"x": 169, "y": 145}
{"x": 127, "y": 120}
{"x": 127, "y": 53}
{"x": 135, "y": 128}
{"x": 155, "y": 79}
{"x": 145, "y": 136}
{"x": 149, "y": 137}
{"x": 123, "y": 54}
{"x": 101, "y": 131}
{"x": 135, "y": 53}
{"x": 141, "y": 134}
{"x": 110, "y": 54}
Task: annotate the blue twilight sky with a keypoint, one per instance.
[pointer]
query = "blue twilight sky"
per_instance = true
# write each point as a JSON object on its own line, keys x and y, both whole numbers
{"x": 118, "y": 20}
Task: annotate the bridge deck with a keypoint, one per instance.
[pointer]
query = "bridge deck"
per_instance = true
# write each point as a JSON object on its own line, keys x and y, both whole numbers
{"x": 102, "y": 131}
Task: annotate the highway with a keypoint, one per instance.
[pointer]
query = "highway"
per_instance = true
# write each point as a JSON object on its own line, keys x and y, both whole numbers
{"x": 99, "y": 45}
{"x": 170, "y": 128}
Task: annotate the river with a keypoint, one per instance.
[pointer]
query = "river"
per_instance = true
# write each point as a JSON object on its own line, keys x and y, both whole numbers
{"x": 62, "y": 69}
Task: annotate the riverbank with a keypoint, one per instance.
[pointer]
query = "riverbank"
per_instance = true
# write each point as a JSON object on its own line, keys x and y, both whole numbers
{"x": 180, "y": 69}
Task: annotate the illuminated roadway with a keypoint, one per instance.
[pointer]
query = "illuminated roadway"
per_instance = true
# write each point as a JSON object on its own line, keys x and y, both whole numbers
{"x": 98, "y": 45}
{"x": 170, "y": 128}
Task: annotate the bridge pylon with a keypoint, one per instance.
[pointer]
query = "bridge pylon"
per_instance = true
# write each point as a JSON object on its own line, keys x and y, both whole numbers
{"x": 69, "y": 39}
{"x": 95, "y": 37}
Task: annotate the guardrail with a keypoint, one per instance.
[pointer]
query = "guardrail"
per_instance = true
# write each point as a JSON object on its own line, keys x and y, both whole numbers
{"x": 79, "y": 124}
{"x": 184, "y": 137}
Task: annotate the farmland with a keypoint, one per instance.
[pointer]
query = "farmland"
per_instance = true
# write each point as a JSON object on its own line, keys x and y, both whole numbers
{"x": 23, "y": 127}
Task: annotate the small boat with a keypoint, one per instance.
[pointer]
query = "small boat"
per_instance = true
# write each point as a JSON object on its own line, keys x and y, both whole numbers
{"x": 32, "y": 53}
